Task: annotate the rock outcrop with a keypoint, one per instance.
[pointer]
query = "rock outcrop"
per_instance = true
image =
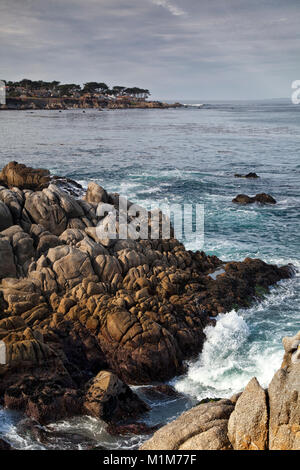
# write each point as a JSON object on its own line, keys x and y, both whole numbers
{"x": 201, "y": 428}
{"x": 284, "y": 400}
{"x": 255, "y": 419}
{"x": 110, "y": 399}
{"x": 73, "y": 304}
{"x": 18, "y": 175}
{"x": 261, "y": 198}
{"x": 248, "y": 424}
{"x": 248, "y": 175}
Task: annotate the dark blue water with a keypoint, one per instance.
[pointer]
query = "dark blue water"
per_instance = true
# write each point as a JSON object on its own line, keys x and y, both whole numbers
{"x": 188, "y": 156}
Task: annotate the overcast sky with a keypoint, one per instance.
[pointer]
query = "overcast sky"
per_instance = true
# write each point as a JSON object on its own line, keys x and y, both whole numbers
{"x": 179, "y": 49}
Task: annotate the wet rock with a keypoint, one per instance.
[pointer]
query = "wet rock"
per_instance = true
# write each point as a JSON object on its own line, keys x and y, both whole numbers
{"x": 5, "y": 445}
{"x": 159, "y": 392}
{"x": 262, "y": 198}
{"x": 110, "y": 399}
{"x": 248, "y": 175}
{"x": 243, "y": 199}
{"x": 69, "y": 186}
{"x": 130, "y": 429}
{"x": 43, "y": 402}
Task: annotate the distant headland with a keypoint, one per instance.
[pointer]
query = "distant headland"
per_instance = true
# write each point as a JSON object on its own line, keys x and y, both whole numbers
{"x": 29, "y": 94}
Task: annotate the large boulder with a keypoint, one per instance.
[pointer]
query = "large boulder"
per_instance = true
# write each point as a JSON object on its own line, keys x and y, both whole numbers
{"x": 22, "y": 245}
{"x": 284, "y": 400}
{"x": 5, "y": 217}
{"x": 248, "y": 424}
{"x": 46, "y": 213}
{"x": 14, "y": 200}
{"x": 96, "y": 194}
{"x": 68, "y": 203}
{"x": 107, "y": 267}
{"x": 110, "y": 399}
{"x": 139, "y": 349}
{"x": 70, "y": 266}
{"x": 16, "y": 174}
{"x": 201, "y": 428}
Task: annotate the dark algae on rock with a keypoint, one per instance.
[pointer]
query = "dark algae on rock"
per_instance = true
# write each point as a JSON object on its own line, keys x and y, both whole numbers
{"x": 81, "y": 316}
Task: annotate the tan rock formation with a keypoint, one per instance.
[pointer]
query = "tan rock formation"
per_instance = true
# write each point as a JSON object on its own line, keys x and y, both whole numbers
{"x": 248, "y": 424}
{"x": 284, "y": 398}
{"x": 201, "y": 428}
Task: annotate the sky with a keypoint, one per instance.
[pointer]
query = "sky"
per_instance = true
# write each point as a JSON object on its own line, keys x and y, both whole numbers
{"x": 179, "y": 49}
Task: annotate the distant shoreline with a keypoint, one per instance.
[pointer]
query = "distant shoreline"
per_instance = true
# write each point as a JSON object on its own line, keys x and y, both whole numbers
{"x": 35, "y": 103}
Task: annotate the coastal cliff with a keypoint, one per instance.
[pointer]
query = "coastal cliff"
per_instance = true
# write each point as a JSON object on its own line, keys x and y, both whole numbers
{"x": 82, "y": 316}
{"x": 255, "y": 419}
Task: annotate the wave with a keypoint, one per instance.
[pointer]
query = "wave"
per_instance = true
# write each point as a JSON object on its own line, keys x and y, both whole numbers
{"x": 244, "y": 344}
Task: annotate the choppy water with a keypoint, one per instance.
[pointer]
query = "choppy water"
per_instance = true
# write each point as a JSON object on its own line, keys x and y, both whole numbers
{"x": 185, "y": 156}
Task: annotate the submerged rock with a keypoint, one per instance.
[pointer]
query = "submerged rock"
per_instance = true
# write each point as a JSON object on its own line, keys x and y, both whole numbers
{"x": 159, "y": 392}
{"x": 130, "y": 429}
{"x": 248, "y": 175}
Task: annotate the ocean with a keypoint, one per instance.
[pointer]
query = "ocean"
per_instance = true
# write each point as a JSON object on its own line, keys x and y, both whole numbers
{"x": 187, "y": 155}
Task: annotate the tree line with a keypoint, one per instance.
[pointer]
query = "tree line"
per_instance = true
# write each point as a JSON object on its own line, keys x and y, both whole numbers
{"x": 71, "y": 89}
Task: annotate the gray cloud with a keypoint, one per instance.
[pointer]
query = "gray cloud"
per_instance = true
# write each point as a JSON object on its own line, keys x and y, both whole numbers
{"x": 177, "y": 48}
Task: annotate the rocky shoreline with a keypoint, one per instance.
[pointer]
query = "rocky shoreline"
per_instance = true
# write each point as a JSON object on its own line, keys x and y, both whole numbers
{"x": 21, "y": 104}
{"x": 82, "y": 317}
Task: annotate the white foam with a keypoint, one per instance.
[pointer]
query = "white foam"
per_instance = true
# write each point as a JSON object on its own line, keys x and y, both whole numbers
{"x": 216, "y": 273}
{"x": 244, "y": 344}
{"x": 211, "y": 374}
